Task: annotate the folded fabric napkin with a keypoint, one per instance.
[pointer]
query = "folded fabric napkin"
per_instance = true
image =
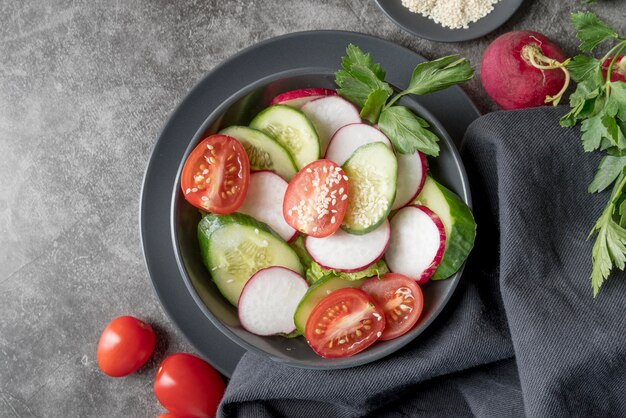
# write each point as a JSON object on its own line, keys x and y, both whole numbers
{"x": 522, "y": 334}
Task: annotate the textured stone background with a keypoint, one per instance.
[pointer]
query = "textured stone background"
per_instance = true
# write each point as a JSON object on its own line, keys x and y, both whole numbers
{"x": 85, "y": 87}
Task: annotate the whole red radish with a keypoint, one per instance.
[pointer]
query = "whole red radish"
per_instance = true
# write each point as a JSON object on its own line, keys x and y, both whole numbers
{"x": 521, "y": 69}
{"x": 619, "y": 68}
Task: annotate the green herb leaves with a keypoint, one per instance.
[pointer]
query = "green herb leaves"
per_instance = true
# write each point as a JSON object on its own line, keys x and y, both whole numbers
{"x": 591, "y": 31}
{"x": 600, "y": 106}
{"x": 431, "y": 76}
{"x": 363, "y": 83}
{"x": 408, "y": 132}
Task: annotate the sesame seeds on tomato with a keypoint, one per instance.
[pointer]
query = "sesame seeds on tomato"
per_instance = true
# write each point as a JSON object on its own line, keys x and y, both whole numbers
{"x": 320, "y": 205}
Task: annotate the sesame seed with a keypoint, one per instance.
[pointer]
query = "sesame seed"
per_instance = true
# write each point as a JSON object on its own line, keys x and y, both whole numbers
{"x": 194, "y": 189}
{"x": 204, "y": 198}
{"x": 308, "y": 170}
{"x": 334, "y": 202}
{"x": 187, "y": 191}
{"x": 333, "y": 220}
{"x": 256, "y": 231}
{"x": 209, "y": 146}
{"x": 230, "y": 280}
{"x": 344, "y": 197}
{"x": 345, "y": 177}
{"x": 325, "y": 169}
{"x": 205, "y": 171}
{"x": 337, "y": 168}
{"x": 314, "y": 229}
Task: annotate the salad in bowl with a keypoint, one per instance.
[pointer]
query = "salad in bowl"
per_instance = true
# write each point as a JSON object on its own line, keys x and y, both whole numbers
{"x": 320, "y": 218}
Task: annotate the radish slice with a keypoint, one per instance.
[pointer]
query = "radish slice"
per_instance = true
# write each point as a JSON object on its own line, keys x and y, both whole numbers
{"x": 298, "y": 98}
{"x": 350, "y": 137}
{"x": 328, "y": 115}
{"x": 346, "y": 252}
{"x": 264, "y": 202}
{"x": 411, "y": 176}
{"x": 269, "y": 300}
{"x": 417, "y": 243}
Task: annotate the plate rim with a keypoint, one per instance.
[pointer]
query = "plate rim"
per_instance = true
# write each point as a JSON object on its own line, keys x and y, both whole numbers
{"x": 176, "y": 113}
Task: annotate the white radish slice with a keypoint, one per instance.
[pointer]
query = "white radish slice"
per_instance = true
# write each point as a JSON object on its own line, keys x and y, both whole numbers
{"x": 411, "y": 176}
{"x": 417, "y": 243}
{"x": 264, "y": 202}
{"x": 350, "y": 137}
{"x": 347, "y": 252}
{"x": 328, "y": 114}
{"x": 269, "y": 300}
{"x": 298, "y": 98}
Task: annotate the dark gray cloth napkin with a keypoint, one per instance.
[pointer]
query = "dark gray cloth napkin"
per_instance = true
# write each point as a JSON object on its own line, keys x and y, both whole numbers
{"x": 522, "y": 334}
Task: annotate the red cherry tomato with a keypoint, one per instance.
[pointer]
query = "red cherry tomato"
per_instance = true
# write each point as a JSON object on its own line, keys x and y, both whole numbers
{"x": 167, "y": 415}
{"x": 344, "y": 323}
{"x": 401, "y": 299}
{"x": 619, "y": 68}
{"x": 188, "y": 386}
{"x": 216, "y": 175}
{"x": 316, "y": 199}
{"x": 125, "y": 345}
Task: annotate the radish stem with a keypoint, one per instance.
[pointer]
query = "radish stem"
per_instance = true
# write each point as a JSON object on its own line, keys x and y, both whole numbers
{"x": 533, "y": 54}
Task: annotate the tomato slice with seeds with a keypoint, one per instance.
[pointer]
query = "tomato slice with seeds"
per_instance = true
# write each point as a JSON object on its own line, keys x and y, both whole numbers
{"x": 401, "y": 299}
{"x": 618, "y": 72}
{"x": 344, "y": 323}
{"x": 216, "y": 175}
{"x": 316, "y": 199}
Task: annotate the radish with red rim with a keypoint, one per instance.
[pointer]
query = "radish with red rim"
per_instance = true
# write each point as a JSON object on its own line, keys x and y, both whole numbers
{"x": 350, "y": 137}
{"x": 346, "y": 252}
{"x": 524, "y": 69}
{"x": 264, "y": 202}
{"x": 417, "y": 244}
{"x": 328, "y": 114}
{"x": 269, "y": 300}
{"x": 298, "y": 98}
{"x": 411, "y": 177}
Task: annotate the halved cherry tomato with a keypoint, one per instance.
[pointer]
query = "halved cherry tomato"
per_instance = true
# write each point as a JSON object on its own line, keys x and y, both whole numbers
{"x": 401, "y": 299}
{"x": 125, "y": 345}
{"x": 216, "y": 175}
{"x": 344, "y": 323}
{"x": 619, "y": 68}
{"x": 316, "y": 199}
{"x": 167, "y": 415}
{"x": 188, "y": 386}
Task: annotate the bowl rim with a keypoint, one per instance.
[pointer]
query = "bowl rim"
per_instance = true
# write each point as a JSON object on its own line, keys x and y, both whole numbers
{"x": 158, "y": 254}
{"x": 326, "y": 364}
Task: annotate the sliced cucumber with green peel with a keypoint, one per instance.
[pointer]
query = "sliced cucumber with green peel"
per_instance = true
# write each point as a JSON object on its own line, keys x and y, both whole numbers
{"x": 264, "y": 152}
{"x": 292, "y": 130}
{"x": 372, "y": 178}
{"x": 458, "y": 223}
{"x": 236, "y": 246}
{"x": 318, "y": 291}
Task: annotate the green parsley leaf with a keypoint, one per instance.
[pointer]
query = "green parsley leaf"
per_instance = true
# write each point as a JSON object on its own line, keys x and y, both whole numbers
{"x": 406, "y": 133}
{"x": 582, "y": 68}
{"x": 616, "y": 103}
{"x": 360, "y": 77}
{"x": 582, "y": 102}
{"x": 356, "y": 56}
{"x": 591, "y": 30}
{"x": 431, "y": 76}
{"x": 609, "y": 250}
{"x": 374, "y": 105}
{"x": 609, "y": 170}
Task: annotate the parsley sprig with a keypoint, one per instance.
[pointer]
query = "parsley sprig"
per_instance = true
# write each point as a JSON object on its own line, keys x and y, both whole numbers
{"x": 363, "y": 83}
{"x": 599, "y": 105}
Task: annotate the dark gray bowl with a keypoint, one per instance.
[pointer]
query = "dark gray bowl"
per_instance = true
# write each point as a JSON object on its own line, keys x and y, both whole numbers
{"x": 239, "y": 109}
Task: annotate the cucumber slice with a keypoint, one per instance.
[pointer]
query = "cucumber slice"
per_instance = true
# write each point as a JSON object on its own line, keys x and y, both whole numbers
{"x": 264, "y": 153}
{"x": 236, "y": 246}
{"x": 292, "y": 130}
{"x": 318, "y": 291}
{"x": 458, "y": 223}
{"x": 372, "y": 174}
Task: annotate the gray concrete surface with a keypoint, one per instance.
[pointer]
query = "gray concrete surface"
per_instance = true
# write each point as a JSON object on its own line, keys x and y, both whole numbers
{"x": 85, "y": 87}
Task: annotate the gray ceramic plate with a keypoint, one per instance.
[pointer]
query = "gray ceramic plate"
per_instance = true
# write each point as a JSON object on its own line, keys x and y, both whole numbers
{"x": 232, "y": 93}
{"x": 426, "y": 28}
